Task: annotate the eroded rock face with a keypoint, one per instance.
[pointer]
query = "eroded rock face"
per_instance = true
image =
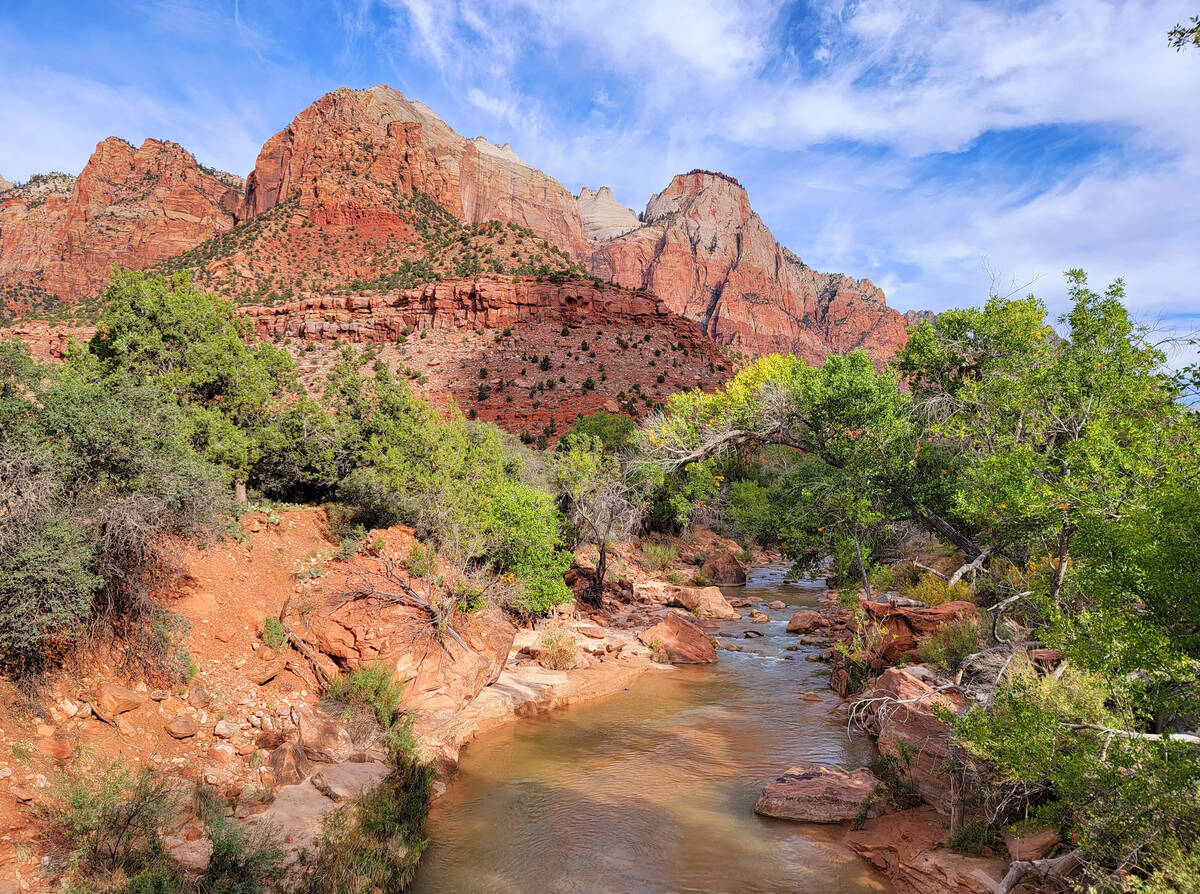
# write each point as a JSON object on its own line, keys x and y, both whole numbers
{"x": 679, "y": 641}
{"x": 603, "y": 216}
{"x": 439, "y": 672}
{"x": 60, "y": 235}
{"x": 706, "y": 253}
{"x": 909, "y": 718}
{"x": 352, "y": 151}
{"x": 816, "y": 793}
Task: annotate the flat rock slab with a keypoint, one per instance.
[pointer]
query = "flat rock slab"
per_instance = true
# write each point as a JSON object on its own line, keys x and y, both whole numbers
{"x": 816, "y": 793}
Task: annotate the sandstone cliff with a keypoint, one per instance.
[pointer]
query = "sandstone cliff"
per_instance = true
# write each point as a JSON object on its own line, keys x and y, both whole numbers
{"x": 60, "y": 235}
{"x": 705, "y": 252}
{"x": 353, "y": 151}
{"x": 603, "y": 216}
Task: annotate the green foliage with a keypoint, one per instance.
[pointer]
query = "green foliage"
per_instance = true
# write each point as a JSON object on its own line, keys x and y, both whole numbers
{"x": 193, "y": 346}
{"x": 893, "y": 769}
{"x": 659, "y": 555}
{"x": 241, "y": 862}
{"x": 969, "y": 838}
{"x": 110, "y": 818}
{"x": 949, "y": 644}
{"x": 273, "y": 633}
{"x": 97, "y": 480}
{"x": 372, "y": 685}
{"x": 933, "y": 590}
{"x": 374, "y": 842}
{"x": 614, "y": 430}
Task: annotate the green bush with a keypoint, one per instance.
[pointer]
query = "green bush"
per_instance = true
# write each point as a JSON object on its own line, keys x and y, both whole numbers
{"x": 109, "y": 818}
{"x": 241, "y": 862}
{"x": 969, "y": 838}
{"x": 659, "y": 555}
{"x": 372, "y": 685}
{"x": 273, "y": 633}
{"x": 949, "y": 644}
{"x": 374, "y": 842}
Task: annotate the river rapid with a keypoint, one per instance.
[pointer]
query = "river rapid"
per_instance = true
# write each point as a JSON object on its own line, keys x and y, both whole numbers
{"x": 653, "y": 789}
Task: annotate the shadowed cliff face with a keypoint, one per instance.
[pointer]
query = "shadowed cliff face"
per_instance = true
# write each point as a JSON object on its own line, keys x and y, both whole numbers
{"x": 60, "y": 235}
{"x": 706, "y": 253}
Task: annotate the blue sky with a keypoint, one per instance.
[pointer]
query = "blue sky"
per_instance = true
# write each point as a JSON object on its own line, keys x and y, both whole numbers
{"x": 939, "y": 148}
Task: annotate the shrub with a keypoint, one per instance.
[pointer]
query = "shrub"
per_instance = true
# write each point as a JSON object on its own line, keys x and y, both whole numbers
{"x": 374, "y": 842}
{"x": 659, "y": 555}
{"x": 421, "y": 561}
{"x": 373, "y": 686}
{"x": 949, "y": 644}
{"x": 969, "y": 838}
{"x": 273, "y": 633}
{"x": 241, "y": 863}
{"x": 561, "y": 651}
{"x": 934, "y": 590}
{"x": 111, "y": 818}
{"x": 894, "y": 772}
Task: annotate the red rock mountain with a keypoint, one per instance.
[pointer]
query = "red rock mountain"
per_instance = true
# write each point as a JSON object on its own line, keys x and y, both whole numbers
{"x": 704, "y": 251}
{"x": 366, "y": 191}
{"x": 60, "y": 235}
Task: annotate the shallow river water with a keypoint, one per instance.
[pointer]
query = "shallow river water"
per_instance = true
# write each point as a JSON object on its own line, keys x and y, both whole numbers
{"x": 653, "y": 789}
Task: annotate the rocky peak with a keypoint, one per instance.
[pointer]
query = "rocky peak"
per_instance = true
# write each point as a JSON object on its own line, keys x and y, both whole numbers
{"x": 710, "y": 257}
{"x": 5, "y": 186}
{"x": 60, "y": 235}
{"x": 358, "y": 151}
{"x": 603, "y": 216}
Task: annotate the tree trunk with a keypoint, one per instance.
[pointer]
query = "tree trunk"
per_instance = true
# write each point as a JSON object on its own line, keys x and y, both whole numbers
{"x": 862, "y": 569}
{"x": 596, "y": 591}
{"x": 1064, "y": 546}
{"x": 239, "y": 489}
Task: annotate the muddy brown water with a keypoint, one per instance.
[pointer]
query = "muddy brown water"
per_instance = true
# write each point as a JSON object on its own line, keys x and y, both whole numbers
{"x": 653, "y": 789}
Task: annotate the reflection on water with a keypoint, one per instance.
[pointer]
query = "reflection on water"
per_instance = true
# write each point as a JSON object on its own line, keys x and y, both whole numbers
{"x": 653, "y": 790}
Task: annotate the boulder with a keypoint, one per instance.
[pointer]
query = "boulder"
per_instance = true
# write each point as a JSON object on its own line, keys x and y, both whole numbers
{"x": 322, "y": 737}
{"x": 724, "y": 569}
{"x": 679, "y": 640}
{"x": 289, "y": 764}
{"x": 704, "y": 602}
{"x": 914, "y": 723}
{"x": 191, "y": 856}
{"x": 804, "y": 621}
{"x": 113, "y": 700}
{"x": 183, "y": 727}
{"x": 225, "y": 729}
{"x": 759, "y": 617}
{"x": 817, "y": 793}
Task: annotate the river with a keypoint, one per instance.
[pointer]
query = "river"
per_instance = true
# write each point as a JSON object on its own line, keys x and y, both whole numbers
{"x": 653, "y": 789}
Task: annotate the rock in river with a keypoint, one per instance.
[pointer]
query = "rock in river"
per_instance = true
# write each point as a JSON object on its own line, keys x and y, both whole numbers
{"x": 816, "y": 793}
